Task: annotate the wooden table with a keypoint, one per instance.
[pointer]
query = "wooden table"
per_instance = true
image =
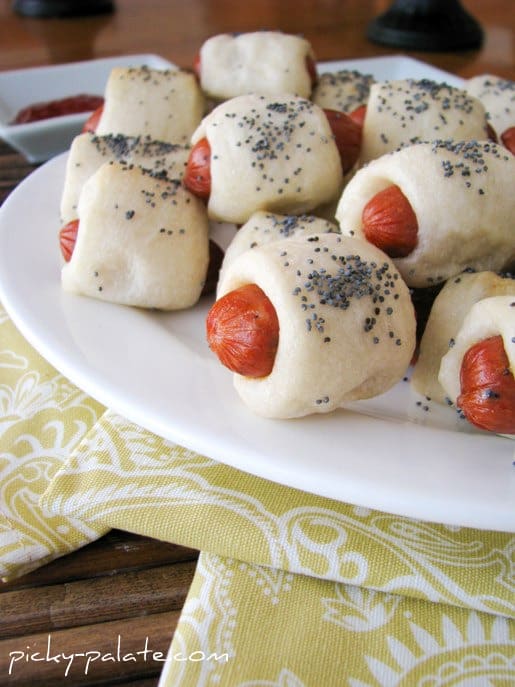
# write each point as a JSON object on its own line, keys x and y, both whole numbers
{"x": 125, "y": 588}
{"x": 175, "y": 29}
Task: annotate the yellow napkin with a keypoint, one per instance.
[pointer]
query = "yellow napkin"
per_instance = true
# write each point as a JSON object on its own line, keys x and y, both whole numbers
{"x": 42, "y": 418}
{"x": 294, "y": 589}
{"x": 125, "y": 477}
{"x": 249, "y": 626}
{"x": 291, "y": 589}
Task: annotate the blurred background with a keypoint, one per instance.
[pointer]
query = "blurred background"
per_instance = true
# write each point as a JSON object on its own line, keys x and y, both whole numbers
{"x": 175, "y": 29}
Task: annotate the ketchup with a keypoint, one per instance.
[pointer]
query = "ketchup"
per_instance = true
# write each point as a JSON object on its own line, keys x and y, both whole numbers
{"x": 58, "y": 108}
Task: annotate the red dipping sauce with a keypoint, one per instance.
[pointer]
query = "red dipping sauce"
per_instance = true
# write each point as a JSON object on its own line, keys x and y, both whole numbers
{"x": 58, "y": 108}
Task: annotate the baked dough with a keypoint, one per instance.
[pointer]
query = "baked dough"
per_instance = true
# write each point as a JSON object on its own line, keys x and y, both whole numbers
{"x": 344, "y": 90}
{"x": 462, "y": 196}
{"x": 166, "y": 105}
{"x": 269, "y": 153}
{"x": 268, "y": 62}
{"x": 89, "y": 151}
{"x": 142, "y": 241}
{"x": 266, "y": 227}
{"x": 346, "y": 323}
{"x": 498, "y": 98}
{"x": 450, "y": 308}
{"x": 489, "y": 317}
{"x": 402, "y": 112}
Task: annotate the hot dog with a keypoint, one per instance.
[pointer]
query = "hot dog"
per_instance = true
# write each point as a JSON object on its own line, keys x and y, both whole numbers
{"x": 358, "y": 115}
{"x": 487, "y": 396}
{"x": 67, "y": 238}
{"x": 477, "y": 372}
{"x": 243, "y": 330}
{"x": 140, "y": 240}
{"x": 345, "y": 324}
{"x": 91, "y": 123}
{"x": 197, "y": 177}
{"x": 347, "y": 136}
{"x": 448, "y": 311}
{"x": 459, "y": 205}
{"x": 264, "y": 153}
{"x": 390, "y": 223}
{"x": 508, "y": 139}
{"x": 89, "y": 151}
{"x": 345, "y": 131}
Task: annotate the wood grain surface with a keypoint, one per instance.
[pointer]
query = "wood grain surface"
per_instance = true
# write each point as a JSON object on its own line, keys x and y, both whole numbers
{"x": 175, "y": 29}
{"x": 104, "y": 614}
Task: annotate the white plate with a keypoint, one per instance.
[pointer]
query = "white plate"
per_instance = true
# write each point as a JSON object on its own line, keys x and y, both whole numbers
{"x": 155, "y": 369}
{"x": 41, "y": 140}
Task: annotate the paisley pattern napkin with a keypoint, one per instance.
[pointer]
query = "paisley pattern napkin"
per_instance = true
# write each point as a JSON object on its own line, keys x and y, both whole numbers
{"x": 125, "y": 477}
{"x": 291, "y": 589}
{"x": 42, "y": 418}
{"x": 294, "y": 589}
{"x": 252, "y": 626}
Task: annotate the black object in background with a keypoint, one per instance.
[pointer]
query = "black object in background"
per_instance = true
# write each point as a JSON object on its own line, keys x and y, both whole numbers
{"x": 62, "y": 8}
{"x": 430, "y": 25}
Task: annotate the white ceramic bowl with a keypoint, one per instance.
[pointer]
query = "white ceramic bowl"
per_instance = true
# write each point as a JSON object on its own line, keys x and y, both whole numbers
{"x": 41, "y": 140}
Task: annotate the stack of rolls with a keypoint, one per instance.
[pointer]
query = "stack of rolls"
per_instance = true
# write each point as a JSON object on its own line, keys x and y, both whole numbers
{"x": 141, "y": 240}
{"x": 131, "y": 233}
{"x": 89, "y": 151}
{"x": 348, "y": 197}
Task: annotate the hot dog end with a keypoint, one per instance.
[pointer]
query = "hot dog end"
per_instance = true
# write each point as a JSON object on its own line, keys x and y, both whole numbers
{"x": 345, "y": 317}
